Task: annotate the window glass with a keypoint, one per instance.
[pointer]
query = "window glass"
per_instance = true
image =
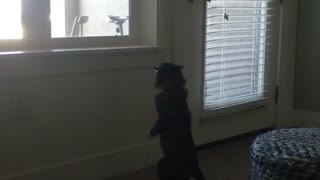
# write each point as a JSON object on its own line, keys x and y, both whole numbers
{"x": 89, "y": 18}
{"x": 10, "y": 19}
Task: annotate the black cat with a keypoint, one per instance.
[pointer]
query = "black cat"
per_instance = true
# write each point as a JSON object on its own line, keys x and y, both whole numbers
{"x": 174, "y": 126}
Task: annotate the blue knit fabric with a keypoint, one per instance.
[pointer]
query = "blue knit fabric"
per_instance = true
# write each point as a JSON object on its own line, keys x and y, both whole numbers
{"x": 287, "y": 154}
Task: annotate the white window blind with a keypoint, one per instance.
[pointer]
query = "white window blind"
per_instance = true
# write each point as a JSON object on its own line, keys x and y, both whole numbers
{"x": 238, "y": 40}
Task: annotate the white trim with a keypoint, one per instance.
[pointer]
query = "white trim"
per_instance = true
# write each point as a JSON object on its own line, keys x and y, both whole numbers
{"x": 61, "y": 63}
{"x": 285, "y": 113}
{"x": 233, "y": 110}
{"x": 74, "y": 51}
{"x": 203, "y": 56}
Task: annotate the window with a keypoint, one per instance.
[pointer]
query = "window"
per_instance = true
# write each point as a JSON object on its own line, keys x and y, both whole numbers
{"x": 10, "y": 19}
{"x": 89, "y": 18}
{"x": 34, "y": 24}
{"x": 238, "y": 52}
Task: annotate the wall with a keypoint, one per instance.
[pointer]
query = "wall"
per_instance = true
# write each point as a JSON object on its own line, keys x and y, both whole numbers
{"x": 286, "y": 70}
{"x": 87, "y": 114}
{"x": 307, "y": 87}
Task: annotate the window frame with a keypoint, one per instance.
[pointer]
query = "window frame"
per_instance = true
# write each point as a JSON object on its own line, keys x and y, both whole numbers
{"x": 37, "y": 31}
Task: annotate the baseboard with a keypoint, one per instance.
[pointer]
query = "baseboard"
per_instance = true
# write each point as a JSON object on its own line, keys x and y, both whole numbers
{"x": 234, "y": 138}
{"x": 307, "y": 118}
{"x": 96, "y": 166}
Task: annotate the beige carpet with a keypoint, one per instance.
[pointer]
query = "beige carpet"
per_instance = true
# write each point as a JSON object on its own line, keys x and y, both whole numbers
{"x": 225, "y": 162}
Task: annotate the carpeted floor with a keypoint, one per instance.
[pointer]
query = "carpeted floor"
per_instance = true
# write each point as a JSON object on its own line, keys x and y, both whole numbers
{"x": 225, "y": 162}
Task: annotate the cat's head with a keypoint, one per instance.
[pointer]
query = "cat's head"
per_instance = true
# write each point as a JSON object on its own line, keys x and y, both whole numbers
{"x": 169, "y": 76}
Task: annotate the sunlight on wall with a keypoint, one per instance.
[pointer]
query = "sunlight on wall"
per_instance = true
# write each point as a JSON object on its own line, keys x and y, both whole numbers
{"x": 10, "y": 19}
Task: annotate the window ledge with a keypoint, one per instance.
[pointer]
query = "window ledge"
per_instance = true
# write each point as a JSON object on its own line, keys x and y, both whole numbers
{"x": 77, "y": 51}
{"x": 44, "y": 63}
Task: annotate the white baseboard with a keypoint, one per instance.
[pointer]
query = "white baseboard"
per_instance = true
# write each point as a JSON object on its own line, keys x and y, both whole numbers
{"x": 96, "y": 166}
{"x": 307, "y": 118}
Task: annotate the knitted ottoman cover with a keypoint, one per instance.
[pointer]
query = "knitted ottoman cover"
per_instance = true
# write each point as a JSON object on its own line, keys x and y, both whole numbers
{"x": 287, "y": 154}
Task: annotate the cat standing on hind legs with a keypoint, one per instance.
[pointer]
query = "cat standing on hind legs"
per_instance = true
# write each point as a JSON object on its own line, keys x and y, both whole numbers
{"x": 174, "y": 126}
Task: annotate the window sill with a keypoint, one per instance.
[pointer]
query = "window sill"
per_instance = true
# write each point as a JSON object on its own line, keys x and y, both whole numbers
{"x": 231, "y": 112}
{"x": 77, "y": 51}
{"x": 44, "y": 63}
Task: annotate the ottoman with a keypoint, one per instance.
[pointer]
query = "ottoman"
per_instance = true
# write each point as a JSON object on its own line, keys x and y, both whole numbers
{"x": 287, "y": 154}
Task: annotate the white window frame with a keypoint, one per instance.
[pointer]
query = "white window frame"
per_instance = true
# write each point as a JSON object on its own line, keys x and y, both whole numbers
{"x": 37, "y": 31}
{"x": 249, "y": 106}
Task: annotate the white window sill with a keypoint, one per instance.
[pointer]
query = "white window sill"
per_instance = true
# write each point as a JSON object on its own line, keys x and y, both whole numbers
{"x": 232, "y": 111}
{"x": 77, "y": 51}
{"x": 43, "y": 63}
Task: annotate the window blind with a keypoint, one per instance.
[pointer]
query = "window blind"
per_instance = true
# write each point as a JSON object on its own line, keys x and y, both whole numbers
{"x": 237, "y": 53}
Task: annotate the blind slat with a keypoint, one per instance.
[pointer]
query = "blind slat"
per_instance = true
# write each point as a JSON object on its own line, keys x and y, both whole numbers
{"x": 234, "y": 69}
{"x": 218, "y": 46}
{"x": 234, "y": 75}
{"x": 233, "y": 79}
{"x": 236, "y": 54}
{"x": 215, "y": 63}
{"x": 256, "y": 95}
{"x": 214, "y": 84}
{"x": 238, "y": 22}
{"x": 226, "y": 104}
{"x": 239, "y": 38}
{"x": 213, "y": 92}
{"x": 241, "y": 8}
{"x": 244, "y": 1}
{"x": 239, "y": 15}
{"x": 238, "y": 30}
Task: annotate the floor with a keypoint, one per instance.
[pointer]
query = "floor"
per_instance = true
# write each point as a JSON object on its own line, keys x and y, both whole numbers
{"x": 225, "y": 162}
